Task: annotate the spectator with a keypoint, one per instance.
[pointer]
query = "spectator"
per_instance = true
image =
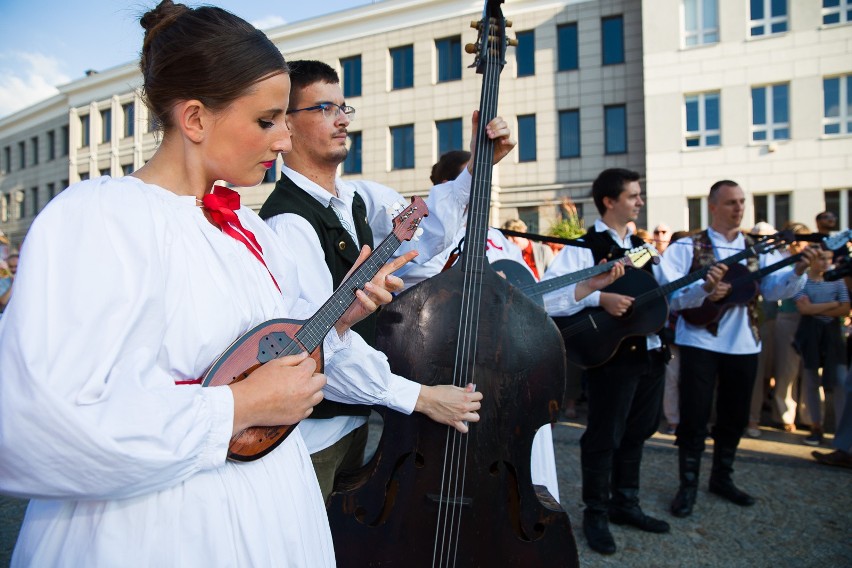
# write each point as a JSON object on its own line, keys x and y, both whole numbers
{"x": 826, "y": 222}
{"x": 820, "y": 342}
{"x": 537, "y": 256}
{"x": 662, "y": 237}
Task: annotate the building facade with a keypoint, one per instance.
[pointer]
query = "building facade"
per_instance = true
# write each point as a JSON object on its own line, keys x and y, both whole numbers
{"x": 759, "y": 92}
{"x": 586, "y": 78}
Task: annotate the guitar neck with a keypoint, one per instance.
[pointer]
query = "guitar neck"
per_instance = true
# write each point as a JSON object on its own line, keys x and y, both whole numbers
{"x": 675, "y": 285}
{"x": 537, "y": 289}
{"x": 312, "y": 333}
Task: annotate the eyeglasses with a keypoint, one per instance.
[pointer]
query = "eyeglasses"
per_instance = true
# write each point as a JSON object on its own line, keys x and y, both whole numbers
{"x": 660, "y": 232}
{"x": 329, "y": 110}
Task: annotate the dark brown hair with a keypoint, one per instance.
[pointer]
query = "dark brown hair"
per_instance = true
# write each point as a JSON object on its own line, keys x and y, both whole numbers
{"x": 203, "y": 53}
{"x": 449, "y": 166}
{"x": 610, "y": 183}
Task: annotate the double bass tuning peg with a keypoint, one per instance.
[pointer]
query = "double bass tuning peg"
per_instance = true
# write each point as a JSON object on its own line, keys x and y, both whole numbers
{"x": 513, "y": 42}
{"x": 470, "y": 48}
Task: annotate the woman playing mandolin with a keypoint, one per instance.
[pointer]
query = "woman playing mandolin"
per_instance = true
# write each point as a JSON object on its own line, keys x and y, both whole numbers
{"x": 104, "y": 425}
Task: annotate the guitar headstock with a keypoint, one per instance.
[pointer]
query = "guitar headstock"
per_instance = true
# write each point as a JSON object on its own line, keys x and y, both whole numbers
{"x": 769, "y": 243}
{"x": 837, "y": 241}
{"x": 490, "y": 48}
{"x": 641, "y": 255}
{"x": 406, "y": 225}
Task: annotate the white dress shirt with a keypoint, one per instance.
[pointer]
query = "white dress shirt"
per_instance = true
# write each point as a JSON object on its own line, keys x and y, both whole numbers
{"x": 734, "y": 334}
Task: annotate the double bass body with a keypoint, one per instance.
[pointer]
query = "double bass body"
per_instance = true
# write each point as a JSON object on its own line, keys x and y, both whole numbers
{"x": 433, "y": 497}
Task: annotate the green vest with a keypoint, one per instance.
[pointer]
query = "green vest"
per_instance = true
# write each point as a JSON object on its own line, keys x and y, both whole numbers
{"x": 340, "y": 255}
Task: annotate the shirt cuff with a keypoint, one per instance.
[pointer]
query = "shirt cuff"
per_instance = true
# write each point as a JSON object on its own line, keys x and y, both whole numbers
{"x": 593, "y": 300}
{"x": 220, "y": 406}
{"x": 402, "y": 394}
{"x": 334, "y": 343}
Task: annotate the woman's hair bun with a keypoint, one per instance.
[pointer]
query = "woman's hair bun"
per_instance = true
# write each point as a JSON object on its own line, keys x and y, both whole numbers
{"x": 165, "y": 13}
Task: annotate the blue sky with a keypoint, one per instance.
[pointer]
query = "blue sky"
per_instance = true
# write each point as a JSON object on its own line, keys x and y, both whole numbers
{"x": 44, "y": 43}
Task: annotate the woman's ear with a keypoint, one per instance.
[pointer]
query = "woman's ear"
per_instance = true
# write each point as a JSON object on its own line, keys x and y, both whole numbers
{"x": 192, "y": 118}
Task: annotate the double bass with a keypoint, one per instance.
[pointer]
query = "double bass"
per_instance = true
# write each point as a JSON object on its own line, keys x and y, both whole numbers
{"x": 431, "y": 496}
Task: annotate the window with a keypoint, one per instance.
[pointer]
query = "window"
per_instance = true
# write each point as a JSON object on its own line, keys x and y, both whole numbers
{"x": 838, "y": 202}
{"x": 271, "y": 175}
{"x": 700, "y": 22}
{"x": 21, "y": 198}
{"x": 106, "y": 125}
{"x": 51, "y": 191}
{"x": 569, "y": 133}
{"x": 526, "y": 138}
{"x": 697, "y": 207}
{"x": 22, "y": 155}
{"x": 402, "y": 138}
{"x": 529, "y": 215}
{"x": 566, "y": 40}
{"x": 34, "y": 146}
{"x": 34, "y": 201}
{"x": 772, "y": 208}
{"x": 402, "y": 59}
{"x": 127, "y": 169}
{"x": 64, "y": 141}
{"x": 129, "y": 112}
{"x": 770, "y": 113}
{"x": 84, "y": 131}
{"x": 449, "y": 135}
{"x": 7, "y": 158}
{"x": 352, "y": 164}
{"x": 767, "y": 17}
{"x": 525, "y": 53}
{"x": 836, "y": 11}
{"x": 51, "y": 145}
{"x": 612, "y": 40}
{"x": 702, "y": 120}
{"x": 615, "y": 129}
{"x": 351, "y": 67}
{"x": 449, "y": 58}
{"x": 837, "y": 97}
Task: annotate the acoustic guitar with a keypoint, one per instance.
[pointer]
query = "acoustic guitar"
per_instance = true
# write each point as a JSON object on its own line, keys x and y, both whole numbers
{"x": 520, "y": 277}
{"x": 592, "y": 336}
{"x": 281, "y": 337}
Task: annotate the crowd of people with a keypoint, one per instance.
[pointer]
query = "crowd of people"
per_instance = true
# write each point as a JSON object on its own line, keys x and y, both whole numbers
{"x": 105, "y": 422}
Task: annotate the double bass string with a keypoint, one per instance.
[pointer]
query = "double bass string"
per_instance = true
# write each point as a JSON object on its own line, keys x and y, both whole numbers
{"x": 464, "y": 367}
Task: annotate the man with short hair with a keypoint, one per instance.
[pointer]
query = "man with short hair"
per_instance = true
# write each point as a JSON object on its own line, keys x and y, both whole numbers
{"x": 625, "y": 394}
{"x": 722, "y": 357}
{"x": 662, "y": 236}
{"x": 329, "y": 220}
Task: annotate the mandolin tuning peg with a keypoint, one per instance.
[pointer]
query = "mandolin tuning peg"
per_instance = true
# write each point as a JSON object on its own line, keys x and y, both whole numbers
{"x": 470, "y": 48}
{"x": 417, "y": 234}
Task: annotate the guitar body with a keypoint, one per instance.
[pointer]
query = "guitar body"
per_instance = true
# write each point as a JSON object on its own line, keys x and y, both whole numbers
{"x": 593, "y": 336}
{"x": 743, "y": 290}
{"x": 517, "y": 275}
{"x": 388, "y": 513}
{"x": 257, "y": 346}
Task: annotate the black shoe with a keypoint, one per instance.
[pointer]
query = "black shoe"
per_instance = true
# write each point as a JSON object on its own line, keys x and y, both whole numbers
{"x": 729, "y": 491}
{"x": 596, "y": 529}
{"x": 634, "y": 516}
{"x": 683, "y": 502}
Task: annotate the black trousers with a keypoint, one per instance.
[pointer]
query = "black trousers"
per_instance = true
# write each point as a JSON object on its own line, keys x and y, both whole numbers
{"x": 624, "y": 411}
{"x": 732, "y": 377}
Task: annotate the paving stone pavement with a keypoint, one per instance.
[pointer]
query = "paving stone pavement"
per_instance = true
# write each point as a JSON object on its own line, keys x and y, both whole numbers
{"x": 803, "y": 516}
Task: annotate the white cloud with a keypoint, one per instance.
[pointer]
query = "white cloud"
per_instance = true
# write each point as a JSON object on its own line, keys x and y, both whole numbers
{"x": 27, "y": 78}
{"x": 267, "y": 22}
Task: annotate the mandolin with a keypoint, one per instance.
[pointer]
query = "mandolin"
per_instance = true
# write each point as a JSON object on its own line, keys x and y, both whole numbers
{"x": 744, "y": 287}
{"x": 281, "y": 337}
{"x": 592, "y": 336}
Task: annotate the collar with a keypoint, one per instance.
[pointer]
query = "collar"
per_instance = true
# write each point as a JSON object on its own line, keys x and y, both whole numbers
{"x": 602, "y": 227}
{"x": 717, "y": 236}
{"x": 345, "y": 193}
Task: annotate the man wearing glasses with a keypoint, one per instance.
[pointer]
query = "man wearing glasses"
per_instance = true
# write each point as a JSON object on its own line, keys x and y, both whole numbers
{"x": 327, "y": 221}
{"x": 662, "y": 236}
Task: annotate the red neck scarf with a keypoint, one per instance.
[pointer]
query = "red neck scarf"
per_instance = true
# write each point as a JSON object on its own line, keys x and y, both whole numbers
{"x": 221, "y": 204}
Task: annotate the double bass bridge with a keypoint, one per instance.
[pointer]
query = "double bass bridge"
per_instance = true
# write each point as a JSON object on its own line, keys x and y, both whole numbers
{"x": 448, "y": 501}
